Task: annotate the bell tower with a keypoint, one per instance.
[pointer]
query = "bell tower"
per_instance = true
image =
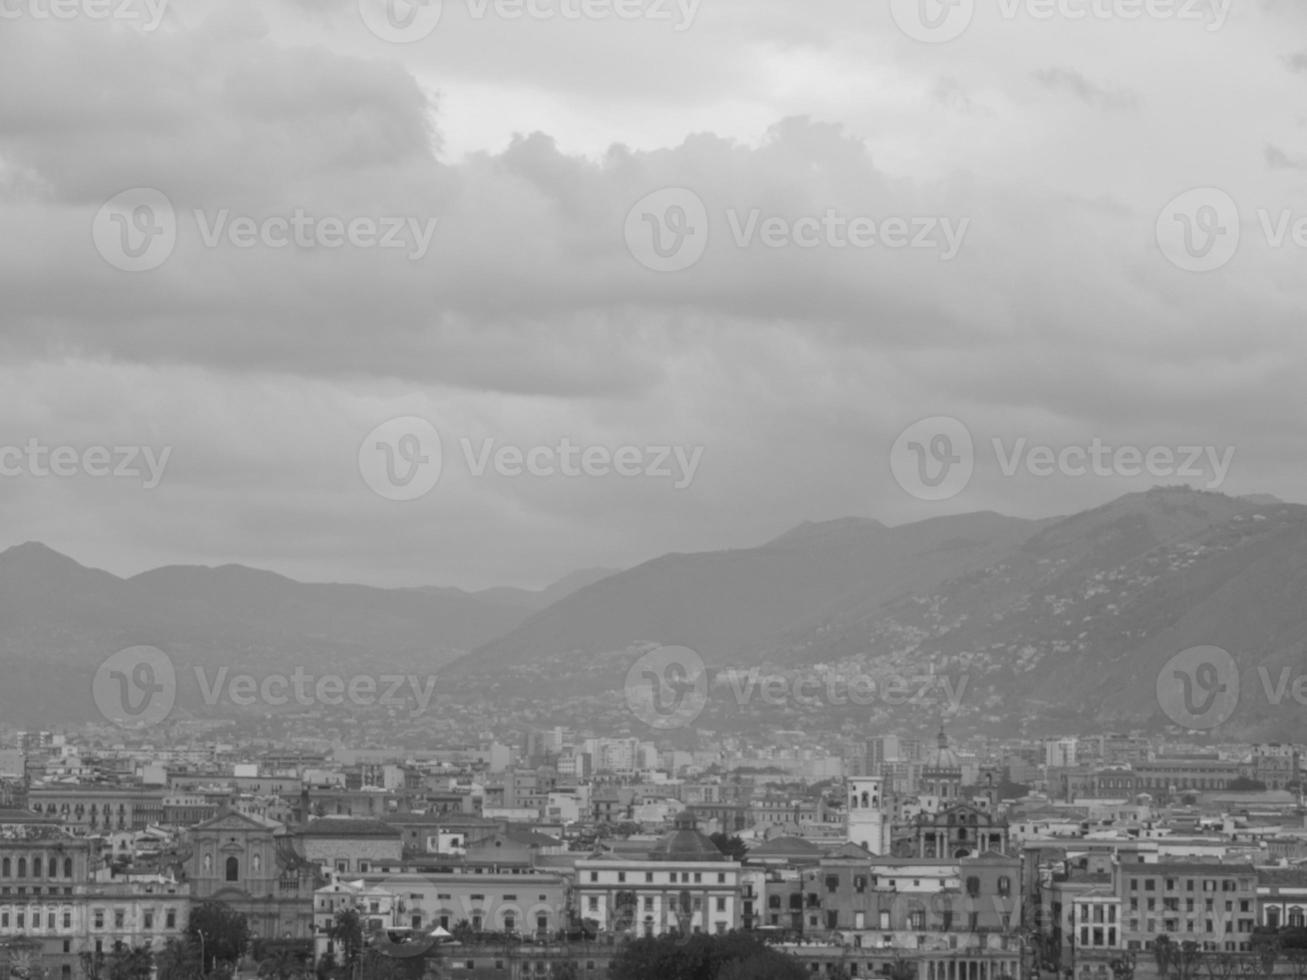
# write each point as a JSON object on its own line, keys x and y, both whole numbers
{"x": 866, "y": 814}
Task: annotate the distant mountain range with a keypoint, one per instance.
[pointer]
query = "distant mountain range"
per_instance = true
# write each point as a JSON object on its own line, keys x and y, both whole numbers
{"x": 1061, "y": 624}
{"x": 1049, "y": 625}
{"x": 59, "y": 620}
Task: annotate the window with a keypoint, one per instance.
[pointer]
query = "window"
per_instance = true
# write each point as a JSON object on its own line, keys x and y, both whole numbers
{"x": 973, "y": 886}
{"x": 233, "y": 869}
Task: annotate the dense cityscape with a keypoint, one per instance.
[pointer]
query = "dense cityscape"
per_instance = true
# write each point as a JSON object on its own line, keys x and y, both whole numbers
{"x": 899, "y": 856}
{"x": 653, "y": 490}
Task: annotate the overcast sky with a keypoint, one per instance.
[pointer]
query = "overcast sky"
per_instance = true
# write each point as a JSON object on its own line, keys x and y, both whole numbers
{"x": 506, "y": 155}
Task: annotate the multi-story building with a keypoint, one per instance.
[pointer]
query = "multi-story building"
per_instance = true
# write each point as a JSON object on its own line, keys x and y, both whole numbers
{"x": 374, "y": 904}
{"x": 144, "y": 910}
{"x": 1214, "y": 905}
{"x": 44, "y": 871}
{"x": 1161, "y": 777}
{"x": 94, "y": 807}
{"x": 1282, "y": 897}
{"x": 349, "y": 845}
{"x": 251, "y": 864}
{"x": 1061, "y": 752}
{"x": 1276, "y": 765}
{"x": 685, "y": 885}
{"x": 528, "y": 904}
{"x": 951, "y": 918}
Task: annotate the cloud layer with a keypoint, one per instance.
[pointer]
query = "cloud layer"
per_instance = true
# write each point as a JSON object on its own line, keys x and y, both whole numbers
{"x": 1054, "y": 144}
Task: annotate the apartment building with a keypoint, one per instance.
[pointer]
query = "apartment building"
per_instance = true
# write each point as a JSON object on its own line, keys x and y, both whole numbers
{"x": 1214, "y": 905}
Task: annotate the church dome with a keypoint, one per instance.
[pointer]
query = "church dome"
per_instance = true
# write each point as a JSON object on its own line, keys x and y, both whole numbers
{"x": 943, "y": 758}
{"x": 686, "y": 843}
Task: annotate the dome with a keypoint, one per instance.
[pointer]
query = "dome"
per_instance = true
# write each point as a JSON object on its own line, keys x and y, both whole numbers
{"x": 686, "y": 843}
{"x": 943, "y": 758}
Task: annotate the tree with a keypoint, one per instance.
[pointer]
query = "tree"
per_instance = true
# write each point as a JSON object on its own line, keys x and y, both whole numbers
{"x": 1123, "y": 966}
{"x": 1245, "y": 785}
{"x": 732, "y": 846}
{"x": 901, "y": 969}
{"x": 346, "y": 931}
{"x": 25, "y": 964}
{"x": 702, "y": 957}
{"x": 1163, "y": 951}
{"x": 765, "y": 966}
{"x": 220, "y": 932}
{"x": 178, "y": 960}
{"x": 123, "y": 962}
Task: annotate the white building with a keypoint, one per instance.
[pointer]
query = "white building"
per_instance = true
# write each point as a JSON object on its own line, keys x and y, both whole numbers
{"x": 685, "y": 885}
{"x": 866, "y": 819}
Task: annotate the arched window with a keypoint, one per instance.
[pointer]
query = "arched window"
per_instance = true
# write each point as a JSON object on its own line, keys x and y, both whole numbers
{"x": 22, "y": 867}
{"x": 233, "y": 869}
{"x": 37, "y": 867}
{"x": 6, "y": 868}
{"x": 68, "y": 867}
